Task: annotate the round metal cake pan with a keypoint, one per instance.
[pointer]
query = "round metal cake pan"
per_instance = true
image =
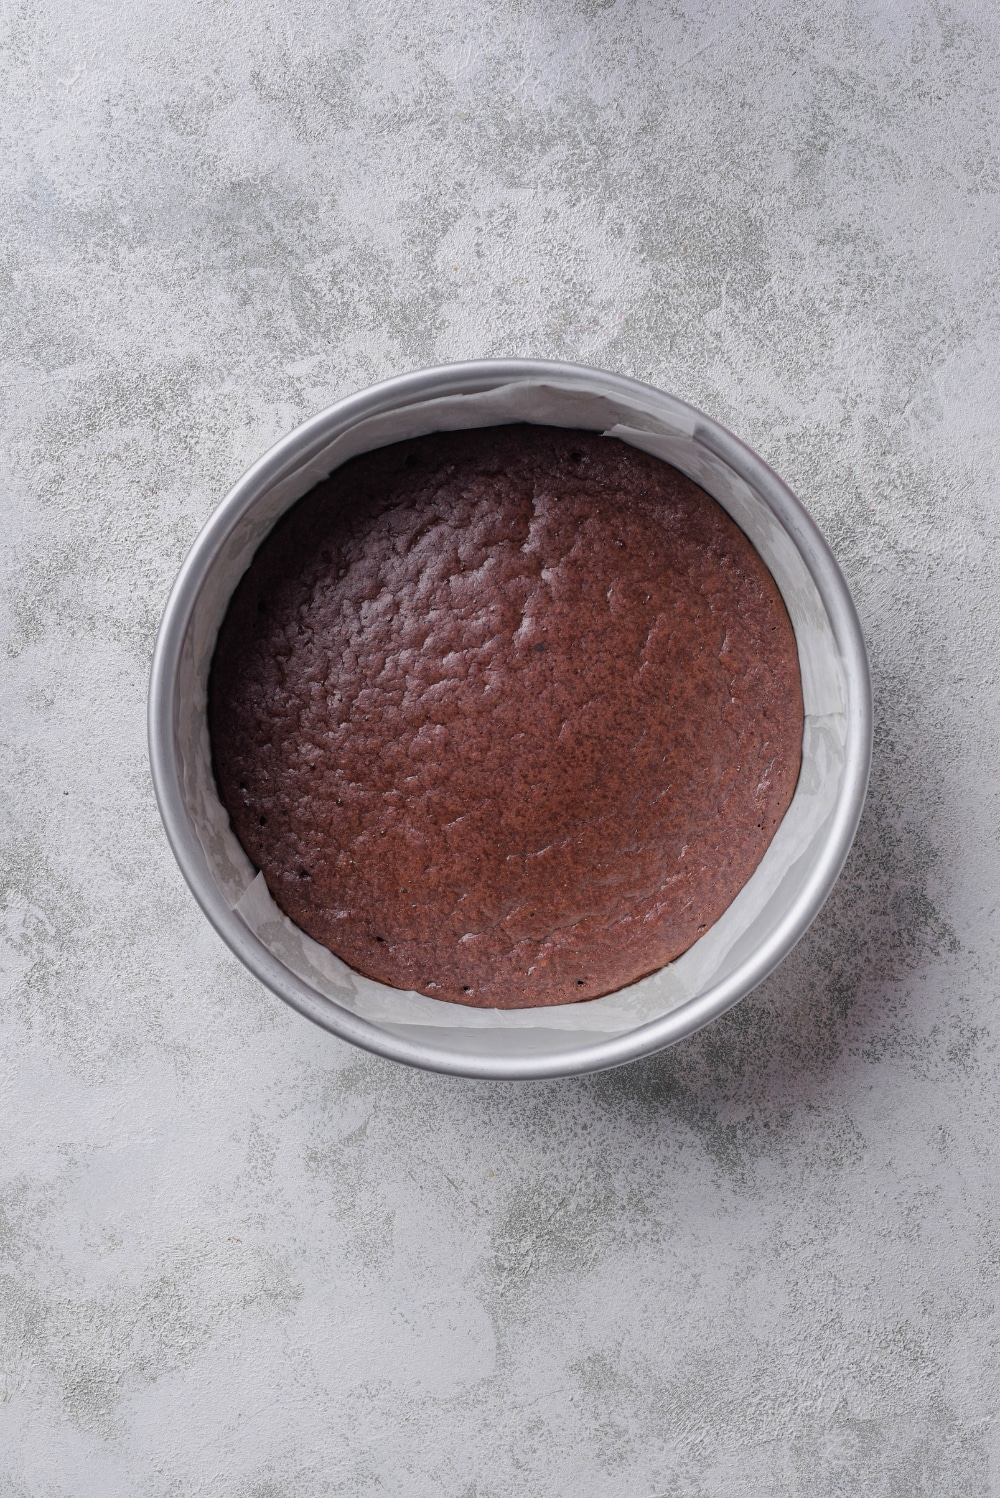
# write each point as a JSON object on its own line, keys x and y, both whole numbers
{"x": 178, "y": 736}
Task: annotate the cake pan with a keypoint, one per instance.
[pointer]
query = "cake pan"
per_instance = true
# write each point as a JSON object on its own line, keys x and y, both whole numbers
{"x": 768, "y": 916}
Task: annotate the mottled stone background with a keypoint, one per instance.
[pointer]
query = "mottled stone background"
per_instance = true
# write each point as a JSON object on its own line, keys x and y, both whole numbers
{"x": 237, "y": 1256}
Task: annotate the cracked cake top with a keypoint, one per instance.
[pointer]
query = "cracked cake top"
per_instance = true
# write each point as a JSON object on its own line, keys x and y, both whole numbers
{"x": 507, "y": 716}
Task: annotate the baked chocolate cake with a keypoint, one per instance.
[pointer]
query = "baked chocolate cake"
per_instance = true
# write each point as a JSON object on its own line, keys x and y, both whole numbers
{"x": 506, "y": 716}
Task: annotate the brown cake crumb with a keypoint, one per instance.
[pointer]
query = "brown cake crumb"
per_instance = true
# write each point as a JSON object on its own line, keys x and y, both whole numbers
{"x": 506, "y": 716}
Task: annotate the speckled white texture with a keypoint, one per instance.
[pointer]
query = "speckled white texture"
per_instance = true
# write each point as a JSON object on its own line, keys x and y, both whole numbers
{"x": 237, "y": 1257}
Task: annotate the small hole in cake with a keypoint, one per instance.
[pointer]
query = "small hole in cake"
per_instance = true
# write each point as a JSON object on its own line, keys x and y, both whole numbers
{"x": 540, "y": 646}
{"x": 304, "y": 875}
{"x": 466, "y": 989}
{"x": 576, "y": 456}
{"x": 339, "y": 803}
{"x": 380, "y": 940}
{"x": 581, "y": 981}
{"x": 243, "y": 786}
{"x": 262, "y": 822}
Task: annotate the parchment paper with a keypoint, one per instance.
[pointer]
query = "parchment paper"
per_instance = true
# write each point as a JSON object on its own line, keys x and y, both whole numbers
{"x": 763, "y": 900}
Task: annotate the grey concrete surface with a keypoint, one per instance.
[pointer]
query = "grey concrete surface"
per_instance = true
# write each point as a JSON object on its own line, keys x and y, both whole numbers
{"x": 238, "y": 1257}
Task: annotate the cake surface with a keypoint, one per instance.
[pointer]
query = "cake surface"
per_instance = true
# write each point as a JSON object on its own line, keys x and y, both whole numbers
{"x": 506, "y": 716}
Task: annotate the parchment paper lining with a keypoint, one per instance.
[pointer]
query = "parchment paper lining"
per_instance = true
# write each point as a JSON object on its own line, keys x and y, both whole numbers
{"x": 763, "y": 900}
